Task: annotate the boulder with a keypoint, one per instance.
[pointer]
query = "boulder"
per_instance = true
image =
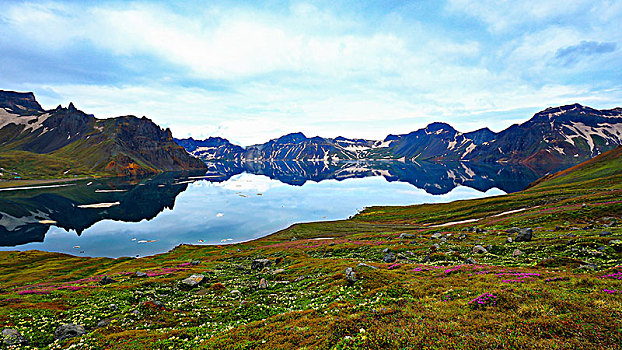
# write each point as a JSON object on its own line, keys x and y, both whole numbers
{"x": 513, "y": 230}
{"x": 389, "y": 258}
{"x": 67, "y": 331}
{"x": 478, "y": 249}
{"x": 517, "y": 252}
{"x": 263, "y": 284}
{"x": 350, "y": 275}
{"x": 106, "y": 280}
{"x": 140, "y": 274}
{"x": 11, "y": 336}
{"x": 470, "y": 261}
{"x": 192, "y": 281}
{"x": 260, "y": 264}
{"x": 524, "y": 235}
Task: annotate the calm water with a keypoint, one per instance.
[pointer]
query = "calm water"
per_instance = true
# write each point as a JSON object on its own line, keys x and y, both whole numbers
{"x": 231, "y": 203}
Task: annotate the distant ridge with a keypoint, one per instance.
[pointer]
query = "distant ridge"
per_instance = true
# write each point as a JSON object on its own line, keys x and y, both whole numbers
{"x": 66, "y": 141}
{"x": 557, "y": 135}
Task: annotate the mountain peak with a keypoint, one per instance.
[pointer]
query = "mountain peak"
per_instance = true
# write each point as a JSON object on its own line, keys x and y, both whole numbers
{"x": 293, "y": 137}
{"x": 22, "y": 103}
{"x": 439, "y": 127}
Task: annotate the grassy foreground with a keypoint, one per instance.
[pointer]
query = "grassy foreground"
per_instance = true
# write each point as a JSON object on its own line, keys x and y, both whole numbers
{"x": 560, "y": 290}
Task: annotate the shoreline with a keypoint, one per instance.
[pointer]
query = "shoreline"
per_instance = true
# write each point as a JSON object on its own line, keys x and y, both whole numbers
{"x": 23, "y": 183}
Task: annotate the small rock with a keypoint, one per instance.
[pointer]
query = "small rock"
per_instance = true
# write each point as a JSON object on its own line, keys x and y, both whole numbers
{"x": 68, "y": 331}
{"x": 299, "y": 278}
{"x": 350, "y": 275}
{"x": 509, "y": 240}
{"x": 408, "y": 235}
{"x": 263, "y": 284}
{"x": 192, "y": 281}
{"x": 278, "y": 260}
{"x": 277, "y": 271}
{"x": 517, "y": 252}
{"x": 601, "y": 248}
{"x": 478, "y": 249}
{"x": 437, "y": 235}
{"x": 489, "y": 247}
{"x": 589, "y": 266}
{"x": 513, "y": 230}
{"x": 106, "y": 280}
{"x": 443, "y": 239}
{"x": 235, "y": 291}
{"x": 105, "y": 322}
{"x": 370, "y": 266}
{"x": 605, "y": 233}
{"x": 524, "y": 235}
{"x": 259, "y": 264}
{"x": 12, "y": 336}
{"x": 140, "y": 274}
{"x": 195, "y": 262}
{"x": 386, "y": 250}
{"x": 389, "y": 258}
{"x": 434, "y": 247}
{"x": 409, "y": 253}
{"x": 470, "y": 261}
{"x": 113, "y": 307}
{"x": 462, "y": 236}
{"x": 294, "y": 239}
{"x": 615, "y": 241}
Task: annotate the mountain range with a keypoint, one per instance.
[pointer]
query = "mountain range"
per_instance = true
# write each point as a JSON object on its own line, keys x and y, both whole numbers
{"x": 560, "y": 135}
{"x": 66, "y": 141}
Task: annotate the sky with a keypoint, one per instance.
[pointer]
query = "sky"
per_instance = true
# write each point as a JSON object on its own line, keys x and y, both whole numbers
{"x": 253, "y": 71}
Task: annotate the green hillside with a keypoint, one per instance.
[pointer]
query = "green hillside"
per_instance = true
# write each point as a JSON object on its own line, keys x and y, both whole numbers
{"x": 434, "y": 276}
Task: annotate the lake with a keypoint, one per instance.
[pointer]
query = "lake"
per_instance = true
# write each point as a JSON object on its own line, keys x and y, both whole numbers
{"x": 232, "y": 202}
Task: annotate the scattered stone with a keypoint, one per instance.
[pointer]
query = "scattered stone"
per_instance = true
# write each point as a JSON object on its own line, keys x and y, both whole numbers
{"x": 513, "y": 230}
{"x": 299, "y": 278}
{"x": 443, "y": 239}
{"x": 235, "y": 291}
{"x": 437, "y": 235}
{"x": 277, "y": 271}
{"x": 408, "y": 235}
{"x": 140, "y": 274}
{"x": 470, "y": 261}
{"x": 105, "y": 322}
{"x": 389, "y": 258}
{"x": 489, "y": 247}
{"x": 106, "y": 280}
{"x": 408, "y": 252}
{"x": 386, "y": 250}
{"x": 113, "y": 307}
{"x": 434, "y": 247}
{"x": 524, "y": 235}
{"x": 478, "y": 249}
{"x": 263, "y": 284}
{"x": 462, "y": 236}
{"x": 413, "y": 242}
{"x": 517, "y": 252}
{"x": 67, "y": 331}
{"x": 509, "y": 240}
{"x": 601, "y": 248}
{"x": 370, "y": 266}
{"x": 260, "y": 264}
{"x": 350, "y": 275}
{"x": 589, "y": 266}
{"x": 278, "y": 260}
{"x": 294, "y": 239}
{"x": 11, "y": 336}
{"x": 615, "y": 241}
{"x": 605, "y": 233}
{"x": 192, "y": 281}
{"x": 195, "y": 262}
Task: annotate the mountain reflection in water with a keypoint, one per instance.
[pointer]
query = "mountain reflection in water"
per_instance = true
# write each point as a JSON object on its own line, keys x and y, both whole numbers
{"x": 27, "y": 215}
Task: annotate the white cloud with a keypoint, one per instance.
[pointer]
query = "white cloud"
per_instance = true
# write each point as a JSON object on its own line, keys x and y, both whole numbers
{"x": 318, "y": 70}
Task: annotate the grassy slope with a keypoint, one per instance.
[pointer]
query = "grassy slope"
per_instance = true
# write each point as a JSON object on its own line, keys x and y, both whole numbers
{"x": 542, "y": 298}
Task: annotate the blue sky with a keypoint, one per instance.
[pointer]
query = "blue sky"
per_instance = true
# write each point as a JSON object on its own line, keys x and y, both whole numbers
{"x": 251, "y": 71}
